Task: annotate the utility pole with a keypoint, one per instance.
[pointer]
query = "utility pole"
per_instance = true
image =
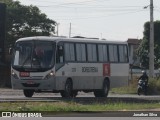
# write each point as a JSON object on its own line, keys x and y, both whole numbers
{"x": 2, "y": 32}
{"x": 57, "y": 29}
{"x": 151, "y": 43}
{"x": 69, "y": 30}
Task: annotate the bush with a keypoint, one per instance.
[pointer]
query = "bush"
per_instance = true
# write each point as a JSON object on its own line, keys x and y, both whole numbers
{"x": 130, "y": 89}
{"x": 154, "y": 87}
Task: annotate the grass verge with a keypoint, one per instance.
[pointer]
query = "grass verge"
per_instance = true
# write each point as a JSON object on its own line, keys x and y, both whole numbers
{"x": 153, "y": 89}
{"x": 130, "y": 89}
{"x": 72, "y": 106}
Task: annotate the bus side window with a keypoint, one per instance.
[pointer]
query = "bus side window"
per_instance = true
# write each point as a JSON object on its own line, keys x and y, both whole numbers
{"x": 60, "y": 55}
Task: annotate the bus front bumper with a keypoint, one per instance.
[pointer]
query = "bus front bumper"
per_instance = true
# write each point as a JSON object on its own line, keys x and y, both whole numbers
{"x": 46, "y": 84}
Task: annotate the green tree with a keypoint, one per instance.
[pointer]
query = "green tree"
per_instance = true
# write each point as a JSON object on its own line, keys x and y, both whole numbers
{"x": 25, "y": 21}
{"x": 143, "y": 50}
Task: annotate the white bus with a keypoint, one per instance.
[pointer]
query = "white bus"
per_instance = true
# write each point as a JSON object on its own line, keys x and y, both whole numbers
{"x": 69, "y": 65}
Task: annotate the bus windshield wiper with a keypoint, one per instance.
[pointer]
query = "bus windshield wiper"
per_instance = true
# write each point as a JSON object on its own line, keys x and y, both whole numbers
{"x": 25, "y": 60}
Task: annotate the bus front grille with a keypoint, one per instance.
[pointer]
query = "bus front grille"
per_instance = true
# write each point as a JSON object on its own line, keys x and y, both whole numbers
{"x": 30, "y": 85}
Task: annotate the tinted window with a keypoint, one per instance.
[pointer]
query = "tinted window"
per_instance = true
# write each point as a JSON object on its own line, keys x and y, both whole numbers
{"x": 81, "y": 52}
{"x": 123, "y": 57}
{"x": 69, "y": 52}
{"x": 34, "y": 54}
{"x": 113, "y": 54}
{"x": 103, "y": 53}
{"x": 92, "y": 52}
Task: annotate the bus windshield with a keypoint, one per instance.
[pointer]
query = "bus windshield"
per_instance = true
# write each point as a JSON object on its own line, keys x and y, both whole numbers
{"x": 34, "y": 55}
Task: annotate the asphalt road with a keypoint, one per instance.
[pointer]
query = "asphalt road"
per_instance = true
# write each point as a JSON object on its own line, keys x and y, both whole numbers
{"x": 17, "y": 95}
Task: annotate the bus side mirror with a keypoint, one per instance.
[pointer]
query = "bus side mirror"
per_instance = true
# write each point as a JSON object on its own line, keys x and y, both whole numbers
{"x": 60, "y": 54}
{"x": 60, "y": 50}
{"x": 10, "y": 50}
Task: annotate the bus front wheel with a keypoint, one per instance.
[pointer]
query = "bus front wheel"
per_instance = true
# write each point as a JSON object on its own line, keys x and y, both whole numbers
{"x": 104, "y": 91}
{"x": 68, "y": 89}
{"x": 28, "y": 93}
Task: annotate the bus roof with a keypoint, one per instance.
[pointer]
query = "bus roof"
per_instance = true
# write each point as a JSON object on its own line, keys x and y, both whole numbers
{"x": 58, "y": 39}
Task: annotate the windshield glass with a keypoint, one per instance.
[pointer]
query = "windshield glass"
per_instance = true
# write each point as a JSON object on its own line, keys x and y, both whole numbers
{"x": 34, "y": 54}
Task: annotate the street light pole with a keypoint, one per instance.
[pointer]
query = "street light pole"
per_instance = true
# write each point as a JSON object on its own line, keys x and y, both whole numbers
{"x": 57, "y": 28}
{"x": 70, "y": 30}
{"x": 151, "y": 43}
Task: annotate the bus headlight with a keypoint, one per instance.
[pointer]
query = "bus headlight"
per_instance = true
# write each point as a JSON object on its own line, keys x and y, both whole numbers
{"x": 49, "y": 75}
{"x": 14, "y": 75}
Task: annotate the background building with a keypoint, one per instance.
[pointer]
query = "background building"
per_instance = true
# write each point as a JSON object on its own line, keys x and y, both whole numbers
{"x": 133, "y": 45}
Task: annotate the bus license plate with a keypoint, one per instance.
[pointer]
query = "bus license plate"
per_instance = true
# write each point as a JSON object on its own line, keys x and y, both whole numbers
{"x": 24, "y": 74}
{"x": 30, "y": 82}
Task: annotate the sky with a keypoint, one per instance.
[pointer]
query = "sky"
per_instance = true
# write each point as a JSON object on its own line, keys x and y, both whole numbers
{"x": 108, "y": 19}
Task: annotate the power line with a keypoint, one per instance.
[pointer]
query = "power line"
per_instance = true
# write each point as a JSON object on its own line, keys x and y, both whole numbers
{"x": 90, "y": 6}
{"x": 102, "y": 16}
{"x": 81, "y": 11}
{"x": 81, "y": 4}
{"x": 101, "y": 9}
{"x": 69, "y": 3}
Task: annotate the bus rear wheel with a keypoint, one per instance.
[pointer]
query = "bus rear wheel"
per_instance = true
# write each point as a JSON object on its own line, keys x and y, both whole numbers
{"x": 104, "y": 91}
{"x": 68, "y": 89}
{"x": 74, "y": 94}
{"x": 28, "y": 93}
